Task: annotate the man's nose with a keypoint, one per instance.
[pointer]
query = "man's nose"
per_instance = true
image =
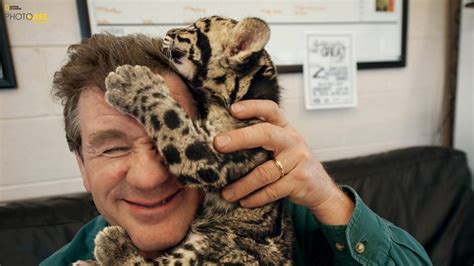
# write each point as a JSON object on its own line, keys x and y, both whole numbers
{"x": 147, "y": 170}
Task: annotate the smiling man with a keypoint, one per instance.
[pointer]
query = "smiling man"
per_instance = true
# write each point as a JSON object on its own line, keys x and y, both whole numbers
{"x": 128, "y": 179}
{"x": 132, "y": 187}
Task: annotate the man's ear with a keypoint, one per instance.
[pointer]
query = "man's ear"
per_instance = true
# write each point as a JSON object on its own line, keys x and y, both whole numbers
{"x": 250, "y": 35}
{"x": 82, "y": 169}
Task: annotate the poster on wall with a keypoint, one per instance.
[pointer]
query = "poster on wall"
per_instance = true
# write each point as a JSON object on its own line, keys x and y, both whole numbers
{"x": 379, "y": 25}
{"x": 330, "y": 71}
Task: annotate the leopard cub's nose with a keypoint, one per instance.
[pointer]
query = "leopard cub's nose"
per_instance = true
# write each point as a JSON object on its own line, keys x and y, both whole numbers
{"x": 171, "y": 33}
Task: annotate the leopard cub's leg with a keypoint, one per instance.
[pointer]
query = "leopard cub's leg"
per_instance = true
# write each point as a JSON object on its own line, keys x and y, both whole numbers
{"x": 137, "y": 91}
{"x": 114, "y": 247}
{"x": 132, "y": 89}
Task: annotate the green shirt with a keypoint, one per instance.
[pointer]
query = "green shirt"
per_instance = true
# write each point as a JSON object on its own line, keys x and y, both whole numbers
{"x": 368, "y": 240}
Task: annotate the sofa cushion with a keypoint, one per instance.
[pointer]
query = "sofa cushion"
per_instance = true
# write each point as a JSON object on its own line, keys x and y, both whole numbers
{"x": 32, "y": 230}
{"x": 424, "y": 190}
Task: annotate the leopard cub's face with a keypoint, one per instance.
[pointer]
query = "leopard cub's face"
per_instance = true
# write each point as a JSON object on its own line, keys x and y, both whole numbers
{"x": 198, "y": 45}
{"x": 214, "y": 46}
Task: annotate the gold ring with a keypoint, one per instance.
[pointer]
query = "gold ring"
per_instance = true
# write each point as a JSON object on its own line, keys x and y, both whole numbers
{"x": 279, "y": 166}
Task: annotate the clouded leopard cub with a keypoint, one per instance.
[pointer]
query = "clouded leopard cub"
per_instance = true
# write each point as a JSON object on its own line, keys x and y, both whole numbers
{"x": 224, "y": 62}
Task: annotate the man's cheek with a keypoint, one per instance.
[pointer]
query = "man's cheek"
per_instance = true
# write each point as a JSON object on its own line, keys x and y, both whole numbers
{"x": 109, "y": 175}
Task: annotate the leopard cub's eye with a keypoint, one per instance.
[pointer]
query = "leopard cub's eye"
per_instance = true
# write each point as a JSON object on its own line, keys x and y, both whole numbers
{"x": 191, "y": 28}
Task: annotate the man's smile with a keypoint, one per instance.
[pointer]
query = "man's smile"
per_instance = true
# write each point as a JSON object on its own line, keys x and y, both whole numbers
{"x": 154, "y": 209}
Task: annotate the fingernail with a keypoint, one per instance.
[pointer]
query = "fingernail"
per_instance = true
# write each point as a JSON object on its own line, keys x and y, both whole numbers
{"x": 236, "y": 108}
{"x": 244, "y": 203}
{"x": 228, "y": 194}
{"x": 222, "y": 141}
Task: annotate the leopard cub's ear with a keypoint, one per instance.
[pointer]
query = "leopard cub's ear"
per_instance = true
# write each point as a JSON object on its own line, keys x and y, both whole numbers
{"x": 250, "y": 35}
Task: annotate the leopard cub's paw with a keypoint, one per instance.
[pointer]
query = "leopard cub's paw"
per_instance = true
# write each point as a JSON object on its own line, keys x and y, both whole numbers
{"x": 127, "y": 83}
{"x": 113, "y": 245}
{"x": 85, "y": 263}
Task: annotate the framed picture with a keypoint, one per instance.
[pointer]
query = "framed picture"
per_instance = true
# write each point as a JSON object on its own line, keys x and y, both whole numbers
{"x": 380, "y": 26}
{"x": 7, "y": 75}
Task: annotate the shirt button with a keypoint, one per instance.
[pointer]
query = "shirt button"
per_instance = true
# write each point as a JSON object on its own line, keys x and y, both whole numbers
{"x": 360, "y": 247}
{"x": 340, "y": 246}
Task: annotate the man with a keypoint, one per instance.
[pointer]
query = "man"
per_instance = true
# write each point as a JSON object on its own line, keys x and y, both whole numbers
{"x": 132, "y": 187}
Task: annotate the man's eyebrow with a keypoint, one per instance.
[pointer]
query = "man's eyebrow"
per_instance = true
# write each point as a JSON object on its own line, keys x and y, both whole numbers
{"x": 98, "y": 138}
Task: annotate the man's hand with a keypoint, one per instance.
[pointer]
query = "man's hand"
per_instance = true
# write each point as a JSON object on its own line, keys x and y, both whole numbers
{"x": 305, "y": 182}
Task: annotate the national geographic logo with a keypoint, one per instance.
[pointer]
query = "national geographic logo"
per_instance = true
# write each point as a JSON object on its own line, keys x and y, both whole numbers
{"x": 16, "y": 13}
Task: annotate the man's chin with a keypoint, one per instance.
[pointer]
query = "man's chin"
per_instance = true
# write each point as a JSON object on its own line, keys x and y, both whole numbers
{"x": 152, "y": 247}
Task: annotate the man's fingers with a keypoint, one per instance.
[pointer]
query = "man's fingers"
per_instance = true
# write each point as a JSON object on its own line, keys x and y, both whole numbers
{"x": 268, "y": 194}
{"x": 263, "y": 135}
{"x": 263, "y": 175}
{"x": 267, "y": 110}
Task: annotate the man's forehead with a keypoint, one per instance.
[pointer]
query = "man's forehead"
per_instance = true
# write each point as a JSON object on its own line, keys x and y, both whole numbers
{"x": 92, "y": 104}
{"x": 96, "y": 115}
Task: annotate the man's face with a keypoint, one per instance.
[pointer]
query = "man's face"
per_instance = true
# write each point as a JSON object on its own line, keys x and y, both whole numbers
{"x": 127, "y": 177}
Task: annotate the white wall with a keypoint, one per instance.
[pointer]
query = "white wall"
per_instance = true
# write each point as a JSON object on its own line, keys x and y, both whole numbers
{"x": 464, "y": 120}
{"x": 398, "y": 107}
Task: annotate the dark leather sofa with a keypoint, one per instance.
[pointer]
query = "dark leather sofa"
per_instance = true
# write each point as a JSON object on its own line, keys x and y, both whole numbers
{"x": 425, "y": 190}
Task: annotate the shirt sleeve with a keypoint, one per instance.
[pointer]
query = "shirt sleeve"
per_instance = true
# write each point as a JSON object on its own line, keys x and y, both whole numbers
{"x": 371, "y": 240}
{"x": 81, "y": 246}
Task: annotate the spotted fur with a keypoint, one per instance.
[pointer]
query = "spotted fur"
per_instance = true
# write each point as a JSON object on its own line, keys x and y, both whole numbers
{"x": 223, "y": 61}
